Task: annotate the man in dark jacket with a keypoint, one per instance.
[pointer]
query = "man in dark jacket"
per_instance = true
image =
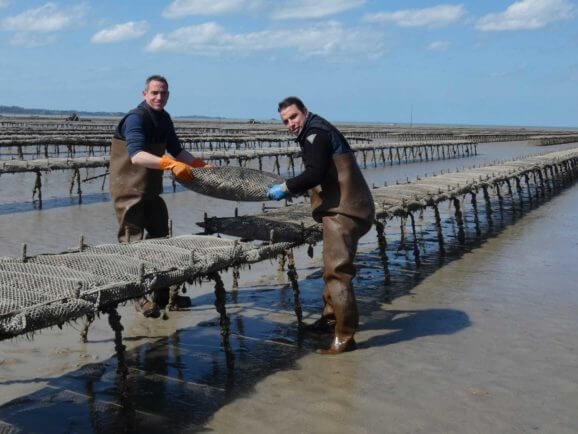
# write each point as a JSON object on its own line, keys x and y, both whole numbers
{"x": 137, "y": 162}
{"x": 341, "y": 200}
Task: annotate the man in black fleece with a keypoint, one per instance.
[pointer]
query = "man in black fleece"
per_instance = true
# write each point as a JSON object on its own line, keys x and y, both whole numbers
{"x": 341, "y": 200}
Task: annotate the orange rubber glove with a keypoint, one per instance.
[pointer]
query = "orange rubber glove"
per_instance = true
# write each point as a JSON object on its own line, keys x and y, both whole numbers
{"x": 200, "y": 163}
{"x": 182, "y": 171}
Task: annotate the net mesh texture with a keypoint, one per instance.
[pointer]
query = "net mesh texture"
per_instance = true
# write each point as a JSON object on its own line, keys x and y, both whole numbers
{"x": 232, "y": 183}
{"x": 51, "y": 289}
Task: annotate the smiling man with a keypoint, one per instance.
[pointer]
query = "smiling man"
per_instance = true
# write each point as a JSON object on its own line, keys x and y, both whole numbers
{"x": 137, "y": 162}
{"x": 341, "y": 200}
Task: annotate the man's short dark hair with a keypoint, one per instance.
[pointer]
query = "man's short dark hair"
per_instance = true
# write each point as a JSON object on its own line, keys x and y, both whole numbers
{"x": 292, "y": 100}
{"x": 156, "y": 78}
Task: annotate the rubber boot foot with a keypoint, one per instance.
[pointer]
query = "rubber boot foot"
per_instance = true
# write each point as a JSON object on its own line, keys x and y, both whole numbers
{"x": 339, "y": 346}
{"x": 322, "y": 326}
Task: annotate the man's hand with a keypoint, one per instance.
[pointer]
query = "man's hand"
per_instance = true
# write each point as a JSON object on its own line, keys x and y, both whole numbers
{"x": 276, "y": 192}
{"x": 182, "y": 171}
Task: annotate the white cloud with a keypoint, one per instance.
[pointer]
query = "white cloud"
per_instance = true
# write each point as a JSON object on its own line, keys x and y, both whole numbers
{"x": 120, "y": 32}
{"x": 303, "y": 9}
{"x": 4, "y": 3}
{"x": 183, "y": 8}
{"x": 528, "y": 15}
{"x": 32, "y": 40}
{"x": 516, "y": 71}
{"x": 436, "y": 16}
{"x": 329, "y": 39}
{"x": 439, "y": 46}
{"x": 46, "y": 18}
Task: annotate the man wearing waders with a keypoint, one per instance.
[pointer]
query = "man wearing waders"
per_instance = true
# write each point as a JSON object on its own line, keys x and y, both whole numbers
{"x": 137, "y": 161}
{"x": 341, "y": 200}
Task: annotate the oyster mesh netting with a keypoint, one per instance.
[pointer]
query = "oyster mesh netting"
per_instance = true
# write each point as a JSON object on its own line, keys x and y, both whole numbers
{"x": 232, "y": 183}
{"x": 51, "y": 289}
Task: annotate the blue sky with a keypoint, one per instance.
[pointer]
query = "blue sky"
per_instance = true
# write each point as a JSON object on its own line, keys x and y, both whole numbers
{"x": 484, "y": 62}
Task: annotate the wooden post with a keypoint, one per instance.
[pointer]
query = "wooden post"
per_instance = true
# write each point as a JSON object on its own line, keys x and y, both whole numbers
{"x": 382, "y": 243}
{"x": 459, "y": 220}
{"x": 220, "y": 301}
{"x": 488, "y": 203}
{"x": 474, "y": 203}
{"x": 293, "y": 278}
{"x": 38, "y": 188}
{"x": 415, "y": 243}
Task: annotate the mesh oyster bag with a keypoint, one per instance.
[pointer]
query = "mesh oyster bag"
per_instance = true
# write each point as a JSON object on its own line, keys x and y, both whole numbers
{"x": 232, "y": 183}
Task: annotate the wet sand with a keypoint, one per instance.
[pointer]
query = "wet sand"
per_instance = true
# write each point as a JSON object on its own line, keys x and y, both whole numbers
{"x": 484, "y": 342}
{"x": 487, "y": 343}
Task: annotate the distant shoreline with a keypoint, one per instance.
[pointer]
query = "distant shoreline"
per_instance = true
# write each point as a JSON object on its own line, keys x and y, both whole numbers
{"x": 20, "y": 112}
{"x": 16, "y": 111}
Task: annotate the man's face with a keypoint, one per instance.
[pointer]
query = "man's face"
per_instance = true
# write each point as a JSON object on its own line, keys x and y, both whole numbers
{"x": 156, "y": 95}
{"x": 293, "y": 118}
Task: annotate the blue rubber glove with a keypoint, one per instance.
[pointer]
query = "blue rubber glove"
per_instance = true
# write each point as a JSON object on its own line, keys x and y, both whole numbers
{"x": 275, "y": 192}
